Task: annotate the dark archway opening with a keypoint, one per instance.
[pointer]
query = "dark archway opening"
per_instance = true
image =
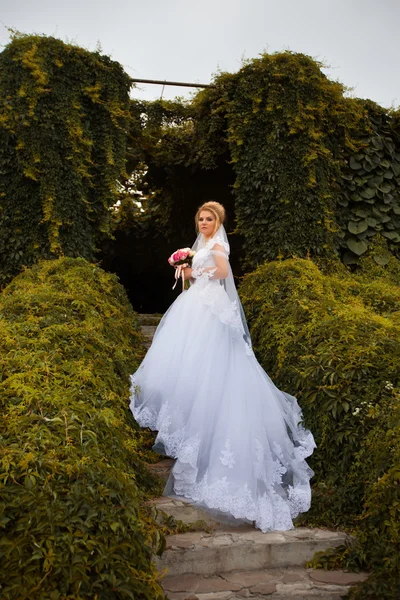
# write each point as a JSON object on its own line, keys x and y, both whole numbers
{"x": 140, "y": 261}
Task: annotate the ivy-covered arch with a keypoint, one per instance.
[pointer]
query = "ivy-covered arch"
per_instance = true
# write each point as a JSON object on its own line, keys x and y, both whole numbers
{"x": 285, "y": 145}
{"x": 302, "y": 170}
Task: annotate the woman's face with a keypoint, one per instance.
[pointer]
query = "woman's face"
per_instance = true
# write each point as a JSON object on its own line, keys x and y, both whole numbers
{"x": 206, "y": 223}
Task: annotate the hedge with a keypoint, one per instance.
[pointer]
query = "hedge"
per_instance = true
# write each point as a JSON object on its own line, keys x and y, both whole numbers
{"x": 333, "y": 340}
{"x": 64, "y": 115}
{"x": 73, "y": 482}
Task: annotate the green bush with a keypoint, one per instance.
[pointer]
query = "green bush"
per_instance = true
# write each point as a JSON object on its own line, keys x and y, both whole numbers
{"x": 72, "y": 483}
{"x": 64, "y": 114}
{"x": 333, "y": 340}
{"x": 370, "y": 187}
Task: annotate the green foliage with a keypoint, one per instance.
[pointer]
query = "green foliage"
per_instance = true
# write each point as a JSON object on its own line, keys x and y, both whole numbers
{"x": 287, "y": 127}
{"x": 371, "y": 185}
{"x": 63, "y": 120}
{"x": 170, "y": 186}
{"x": 172, "y": 526}
{"x": 333, "y": 340}
{"x": 172, "y": 157}
{"x": 282, "y": 126}
{"x": 73, "y": 484}
{"x": 312, "y": 173}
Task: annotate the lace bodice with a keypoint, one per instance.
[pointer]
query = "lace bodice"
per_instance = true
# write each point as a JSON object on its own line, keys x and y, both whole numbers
{"x": 205, "y": 257}
{"x": 204, "y": 267}
{"x": 213, "y": 289}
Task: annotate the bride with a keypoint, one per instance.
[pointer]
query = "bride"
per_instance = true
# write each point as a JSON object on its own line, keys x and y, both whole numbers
{"x": 238, "y": 441}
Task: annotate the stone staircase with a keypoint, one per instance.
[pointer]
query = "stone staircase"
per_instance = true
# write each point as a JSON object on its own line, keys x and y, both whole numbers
{"x": 148, "y": 325}
{"x": 225, "y": 562}
{"x": 222, "y": 562}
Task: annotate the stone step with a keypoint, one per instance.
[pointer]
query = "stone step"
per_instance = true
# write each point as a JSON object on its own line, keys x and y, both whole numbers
{"x": 180, "y": 508}
{"x": 148, "y": 330}
{"x": 183, "y": 510}
{"x": 148, "y": 319}
{"x": 245, "y": 548}
{"x": 162, "y": 468}
{"x": 208, "y": 557}
{"x": 288, "y": 583}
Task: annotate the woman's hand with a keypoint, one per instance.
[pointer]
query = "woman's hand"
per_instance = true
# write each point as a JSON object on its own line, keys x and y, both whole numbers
{"x": 187, "y": 272}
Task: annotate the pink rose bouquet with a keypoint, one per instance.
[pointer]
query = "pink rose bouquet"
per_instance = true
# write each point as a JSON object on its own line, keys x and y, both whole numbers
{"x": 180, "y": 259}
{"x": 184, "y": 255}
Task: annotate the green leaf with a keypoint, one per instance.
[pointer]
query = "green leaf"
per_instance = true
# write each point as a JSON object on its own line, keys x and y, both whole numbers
{"x": 360, "y": 180}
{"x": 373, "y": 160}
{"x": 29, "y": 482}
{"x": 368, "y": 193}
{"x": 361, "y": 212}
{"x": 357, "y": 246}
{"x": 385, "y": 188}
{"x": 375, "y": 181}
{"x": 391, "y": 235}
{"x": 388, "y": 175}
{"x": 396, "y": 168}
{"x": 357, "y": 226}
{"x": 354, "y": 164}
{"x": 368, "y": 166}
{"x": 377, "y": 142}
{"x": 381, "y": 260}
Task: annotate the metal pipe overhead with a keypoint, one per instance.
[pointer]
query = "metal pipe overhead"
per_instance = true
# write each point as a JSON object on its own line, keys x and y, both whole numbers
{"x": 179, "y": 83}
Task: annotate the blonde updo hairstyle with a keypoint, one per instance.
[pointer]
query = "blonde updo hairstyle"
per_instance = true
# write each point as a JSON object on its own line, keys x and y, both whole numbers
{"x": 216, "y": 209}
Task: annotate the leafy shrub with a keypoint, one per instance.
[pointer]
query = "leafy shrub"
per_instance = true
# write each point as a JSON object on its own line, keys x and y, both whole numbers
{"x": 72, "y": 479}
{"x": 371, "y": 183}
{"x": 63, "y": 119}
{"x": 333, "y": 340}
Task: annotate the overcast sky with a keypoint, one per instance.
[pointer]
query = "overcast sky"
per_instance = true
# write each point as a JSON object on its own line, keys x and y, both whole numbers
{"x": 188, "y": 40}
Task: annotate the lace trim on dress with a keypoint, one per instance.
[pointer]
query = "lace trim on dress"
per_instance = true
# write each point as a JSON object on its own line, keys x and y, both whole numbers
{"x": 299, "y": 499}
{"x": 307, "y": 444}
{"x": 217, "y": 240}
{"x": 227, "y": 457}
{"x": 143, "y": 415}
{"x": 272, "y": 508}
{"x": 228, "y": 313}
{"x": 201, "y": 273}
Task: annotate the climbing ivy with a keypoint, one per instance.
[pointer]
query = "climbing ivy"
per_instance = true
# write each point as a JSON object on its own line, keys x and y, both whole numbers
{"x": 371, "y": 186}
{"x": 285, "y": 145}
{"x": 287, "y": 126}
{"x": 63, "y": 122}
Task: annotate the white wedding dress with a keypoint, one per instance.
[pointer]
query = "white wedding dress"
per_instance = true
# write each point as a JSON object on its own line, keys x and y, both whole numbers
{"x": 237, "y": 439}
